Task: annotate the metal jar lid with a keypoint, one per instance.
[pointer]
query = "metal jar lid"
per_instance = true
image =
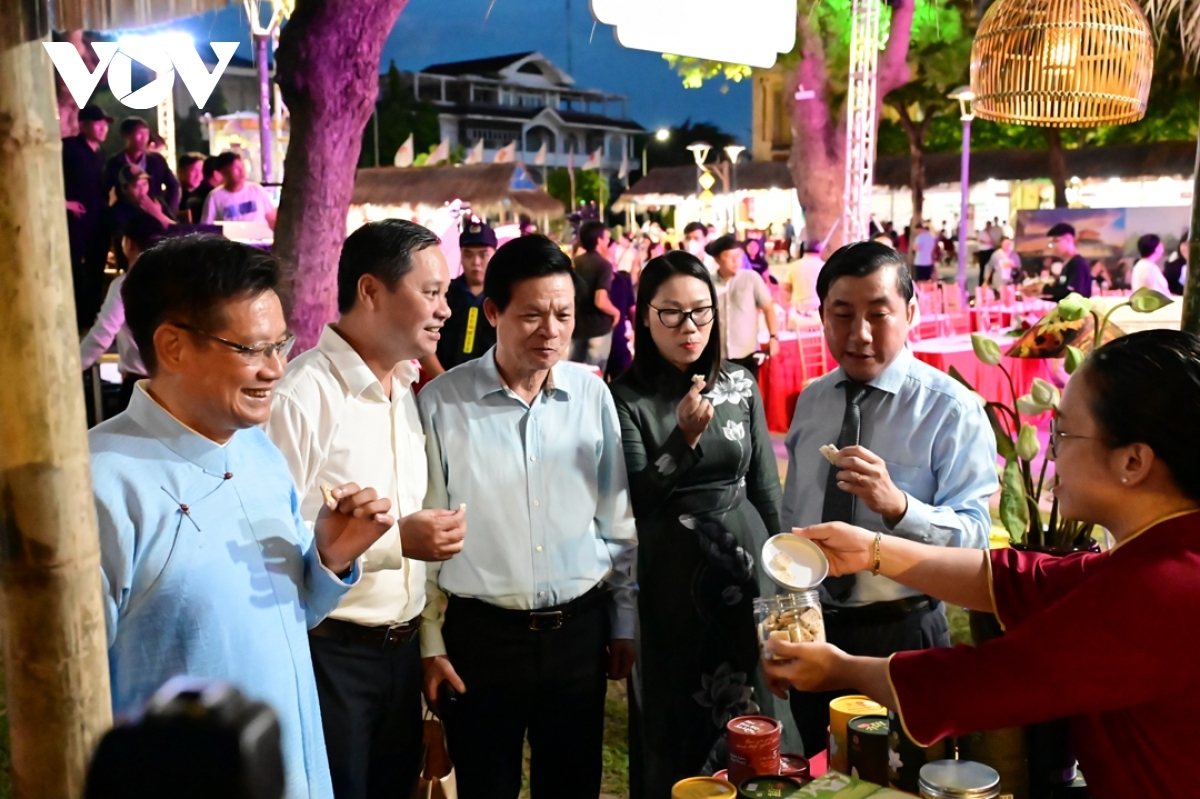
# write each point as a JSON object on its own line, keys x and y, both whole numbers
{"x": 958, "y": 779}
{"x": 793, "y": 562}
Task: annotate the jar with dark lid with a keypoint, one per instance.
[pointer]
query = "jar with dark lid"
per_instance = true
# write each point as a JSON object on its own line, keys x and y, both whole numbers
{"x": 958, "y": 779}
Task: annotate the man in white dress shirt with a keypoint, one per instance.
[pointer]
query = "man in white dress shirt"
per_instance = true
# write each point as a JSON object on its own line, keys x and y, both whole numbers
{"x": 346, "y": 408}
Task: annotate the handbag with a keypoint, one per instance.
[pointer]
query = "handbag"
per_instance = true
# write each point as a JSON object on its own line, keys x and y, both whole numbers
{"x": 437, "y": 772}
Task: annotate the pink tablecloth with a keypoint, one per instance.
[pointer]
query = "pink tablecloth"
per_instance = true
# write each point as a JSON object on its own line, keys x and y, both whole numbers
{"x": 782, "y": 378}
{"x": 956, "y": 351}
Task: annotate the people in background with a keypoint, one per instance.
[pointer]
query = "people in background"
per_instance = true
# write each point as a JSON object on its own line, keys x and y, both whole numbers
{"x": 623, "y": 297}
{"x": 989, "y": 239}
{"x": 741, "y": 295}
{"x": 800, "y": 280}
{"x": 1003, "y": 266}
{"x": 524, "y": 625}
{"x": 916, "y": 460}
{"x": 705, "y": 489}
{"x": 924, "y": 252}
{"x": 1147, "y": 272}
{"x": 208, "y": 568}
{"x": 756, "y": 257}
{"x": 164, "y": 186}
{"x": 1075, "y": 274}
{"x": 467, "y": 334}
{"x": 1176, "y": 266}
{"x": 1121, "y": 468}
{"x": 595, "y": 314}
{"x": 695, "y": 241}
{"x": 87, "y": 204}
{"x": 345, "y": 412}
{"x": 142, "y": 233}
{"x": 237, "y": 199}
{"x": 190, "y": 171}
{"x": 212, "y": 179}
{"x": 133, "y": 201}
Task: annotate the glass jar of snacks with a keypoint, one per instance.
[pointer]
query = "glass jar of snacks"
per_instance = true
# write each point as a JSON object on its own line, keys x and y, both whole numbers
{"x": 794, "y": 617}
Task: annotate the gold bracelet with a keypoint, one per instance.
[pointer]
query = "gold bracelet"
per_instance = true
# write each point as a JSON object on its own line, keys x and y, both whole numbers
{"x": 875, "y": 567}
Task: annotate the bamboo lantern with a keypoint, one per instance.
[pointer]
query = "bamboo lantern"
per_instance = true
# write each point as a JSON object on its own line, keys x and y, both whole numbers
{"x": 1062, "y": 63}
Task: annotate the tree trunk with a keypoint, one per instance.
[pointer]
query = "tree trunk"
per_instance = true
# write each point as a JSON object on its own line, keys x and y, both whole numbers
{"x": 916, "y": 159}
{"x": 55, "y": 649}
{"x": 1058, "y": 167}
{"x": 1190, "y": 321}
{"x": 68, "y": 112}
{"x": 328, "y": 70}
{"x": 818, "y": 158}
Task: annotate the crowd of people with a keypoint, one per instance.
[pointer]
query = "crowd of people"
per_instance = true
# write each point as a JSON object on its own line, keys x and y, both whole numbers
{"x": 137, "y": 188}
{"x": 439, "y": 507}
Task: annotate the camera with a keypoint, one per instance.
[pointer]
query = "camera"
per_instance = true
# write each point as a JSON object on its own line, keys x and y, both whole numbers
{"x": 194, "y": 739}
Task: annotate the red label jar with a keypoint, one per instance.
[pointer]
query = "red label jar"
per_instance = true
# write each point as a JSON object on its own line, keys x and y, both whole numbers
{"x": 753, "y": 743}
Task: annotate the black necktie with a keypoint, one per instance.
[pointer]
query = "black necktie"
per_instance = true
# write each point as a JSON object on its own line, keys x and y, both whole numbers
{"x": 839, "y": 504}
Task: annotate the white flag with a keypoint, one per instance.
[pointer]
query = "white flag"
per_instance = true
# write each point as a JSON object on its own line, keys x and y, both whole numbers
{"x": 404, "y": 156}
{"x": 540, "y": 158}
{"x": 506, "y": 154}
{"x": 624, "y": 171}
{"x": 442, "y": 153}
{"x": 476, "y": 154}
{"x": 593, "y": 161}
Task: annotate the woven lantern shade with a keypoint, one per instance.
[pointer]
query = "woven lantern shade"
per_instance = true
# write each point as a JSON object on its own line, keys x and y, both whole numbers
{"x": 1062, "y": 63}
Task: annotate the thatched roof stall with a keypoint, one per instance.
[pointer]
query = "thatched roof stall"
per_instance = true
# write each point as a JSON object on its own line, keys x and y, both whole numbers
{"x": 669, "y": 184}
{"x": 487, "y": 187}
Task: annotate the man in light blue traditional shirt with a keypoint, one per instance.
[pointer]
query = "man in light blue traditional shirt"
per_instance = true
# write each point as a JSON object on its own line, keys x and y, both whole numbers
{"x": 208, "y": 570}
{"x": 541, "y": 603}
{"x": 917, "y": 459}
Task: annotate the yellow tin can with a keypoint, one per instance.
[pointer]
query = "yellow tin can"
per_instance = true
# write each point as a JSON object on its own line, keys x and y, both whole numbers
{"x": 704, "y": 788}
{"x": 841, "y": 710}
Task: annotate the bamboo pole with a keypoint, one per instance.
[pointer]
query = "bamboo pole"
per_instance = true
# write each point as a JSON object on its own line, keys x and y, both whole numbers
{"x": 55, "y": 651}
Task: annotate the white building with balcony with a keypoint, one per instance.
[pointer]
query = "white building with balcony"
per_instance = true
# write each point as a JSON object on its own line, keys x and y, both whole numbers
{"x": 524, "y": 98}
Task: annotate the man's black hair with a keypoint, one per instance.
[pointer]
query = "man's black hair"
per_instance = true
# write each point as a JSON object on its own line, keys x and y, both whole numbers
{"x": 226, "y": 158}
{"x": 187, "y": 159}
{"x": 210, "y": 165}
{"x": 691, "y": 226}
{"x": 190, "y": 280}
{"x": 1148, "y": 244}
{"x": 523, "y": 258}
{"x": 590, "y": 234}
{"x": 384, "y": 249}
{"x": 144, "y": 230}
{"x": 862, "y": 258}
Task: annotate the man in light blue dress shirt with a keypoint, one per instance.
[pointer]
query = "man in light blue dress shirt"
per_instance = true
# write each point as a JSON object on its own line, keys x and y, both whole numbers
{"x": 923, "y": 466}
{"x": 207, "y": 568}
{"x": 525, "y": 623}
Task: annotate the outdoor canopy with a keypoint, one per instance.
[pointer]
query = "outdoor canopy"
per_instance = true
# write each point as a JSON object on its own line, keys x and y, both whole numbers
{"x": 479, "y": 184}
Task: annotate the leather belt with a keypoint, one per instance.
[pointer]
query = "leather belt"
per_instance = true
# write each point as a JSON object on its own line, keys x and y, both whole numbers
{"x": 879, "y": 612}
{"x": 541, "y": 620}
{"x": 381, "y": 638}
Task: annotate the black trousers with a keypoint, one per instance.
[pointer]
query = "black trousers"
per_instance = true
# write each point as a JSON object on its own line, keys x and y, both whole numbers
{"x": 922, "y": 629}
{"x": 549, "y": 684}
{"x": 371, "y": 714}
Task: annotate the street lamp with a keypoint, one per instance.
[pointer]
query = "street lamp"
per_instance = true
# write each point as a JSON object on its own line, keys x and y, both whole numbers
{"x": 700, "y": 150}
{"x": 965, "y": 98}
{"x": 661, "y": 135}
{"x": 733, "y": 151}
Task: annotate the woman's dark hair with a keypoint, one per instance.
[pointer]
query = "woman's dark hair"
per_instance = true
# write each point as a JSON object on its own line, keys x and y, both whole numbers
{"x": 190, "y": 279}
{"x": 383, "y": 249}
{"x": 650, "y": 369}
{"x": 523, "y": 258}
{"x": 862, "y": 258}
{"x": 1145, "y": 388}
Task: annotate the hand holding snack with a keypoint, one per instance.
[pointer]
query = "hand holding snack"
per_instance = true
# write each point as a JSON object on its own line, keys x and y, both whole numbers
{"x": 345, "y": 530}
{"x": 433, "y": 534}
{"x": 864, "y": 474}
{"x": 694, "y": 412}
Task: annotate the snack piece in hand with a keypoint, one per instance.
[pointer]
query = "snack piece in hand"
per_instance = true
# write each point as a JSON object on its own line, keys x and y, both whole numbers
{"x": 831, "y": 453}
{"x": 327, "y": 494}
{"x": 698, "y": 381}
{"x": 462, "y": 506}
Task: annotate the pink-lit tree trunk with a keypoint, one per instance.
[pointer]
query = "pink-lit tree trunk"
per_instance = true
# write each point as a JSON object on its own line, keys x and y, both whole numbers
{"x": 818, "y": 158}
{"x": 328, "y": 73}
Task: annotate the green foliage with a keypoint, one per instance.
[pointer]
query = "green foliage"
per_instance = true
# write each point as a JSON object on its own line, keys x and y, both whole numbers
{"x": 590, "y": 187}
{"x": 400, "y": 114}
